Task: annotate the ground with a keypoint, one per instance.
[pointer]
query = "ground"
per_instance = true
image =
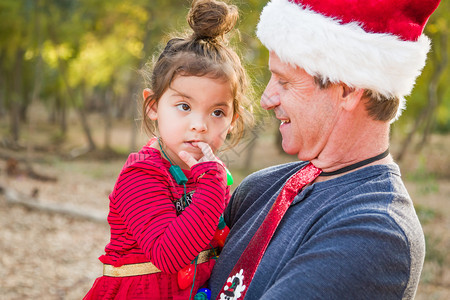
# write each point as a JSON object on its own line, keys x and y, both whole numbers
{"x": 48, "y": 255}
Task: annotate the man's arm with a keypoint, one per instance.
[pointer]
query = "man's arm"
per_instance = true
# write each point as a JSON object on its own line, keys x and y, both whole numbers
{"x": 361, "y": 257}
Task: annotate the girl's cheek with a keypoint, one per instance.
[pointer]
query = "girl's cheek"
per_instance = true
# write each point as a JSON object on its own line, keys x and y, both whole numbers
{"x": 218, "y": 142}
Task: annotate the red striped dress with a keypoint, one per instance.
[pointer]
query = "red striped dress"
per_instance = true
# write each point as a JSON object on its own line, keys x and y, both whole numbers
{"x": 146, "y": 226}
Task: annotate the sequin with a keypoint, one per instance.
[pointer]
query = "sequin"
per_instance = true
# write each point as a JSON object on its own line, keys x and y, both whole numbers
{"x": 253, "y": 253}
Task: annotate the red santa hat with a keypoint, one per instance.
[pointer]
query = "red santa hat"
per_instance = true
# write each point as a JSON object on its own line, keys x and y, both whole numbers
{"x": 372, "y": 44}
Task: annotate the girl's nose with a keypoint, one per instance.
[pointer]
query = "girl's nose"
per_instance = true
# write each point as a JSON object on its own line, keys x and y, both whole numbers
{"x": 198, "y": 124}
{"x": 270, "y": 98}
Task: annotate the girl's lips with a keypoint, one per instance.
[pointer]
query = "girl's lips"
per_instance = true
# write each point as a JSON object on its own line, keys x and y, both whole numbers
{"x": 193, "y": 144}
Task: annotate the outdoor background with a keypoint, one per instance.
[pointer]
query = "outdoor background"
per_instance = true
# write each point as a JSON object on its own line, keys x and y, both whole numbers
{"x": 69, "y": 115}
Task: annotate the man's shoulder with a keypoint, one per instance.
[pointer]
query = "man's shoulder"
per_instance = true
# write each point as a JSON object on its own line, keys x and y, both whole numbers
{"x": 265, "y": 181}
{"x": 274, "y": 173}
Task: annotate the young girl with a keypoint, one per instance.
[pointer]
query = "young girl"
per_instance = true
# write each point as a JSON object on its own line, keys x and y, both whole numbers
{"x": 163, "y": 218}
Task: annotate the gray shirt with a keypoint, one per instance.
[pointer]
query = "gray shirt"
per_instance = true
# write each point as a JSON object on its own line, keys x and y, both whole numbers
{"x": 353, "y": 237}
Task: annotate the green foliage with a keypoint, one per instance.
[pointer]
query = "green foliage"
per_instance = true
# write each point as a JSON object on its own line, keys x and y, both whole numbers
{"x": 425, "y": 214}
{"x": 434, "y": 252}
{"x": 58, "y": 46}
{"x": 437, "y": 28}
{"x": 425, "y": 180}
{"x": 443, "y": 111}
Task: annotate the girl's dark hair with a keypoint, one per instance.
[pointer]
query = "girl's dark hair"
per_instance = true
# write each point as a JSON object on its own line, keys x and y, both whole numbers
{"x": 205, "y": 52}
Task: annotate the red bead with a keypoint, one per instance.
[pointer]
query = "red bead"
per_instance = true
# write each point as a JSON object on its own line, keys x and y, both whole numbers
{"x": 186, "y": 276}
{"x": 221, "y": 235}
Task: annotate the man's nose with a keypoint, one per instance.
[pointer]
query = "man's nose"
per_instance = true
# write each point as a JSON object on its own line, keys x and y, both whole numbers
{"x": 270, "y": 98}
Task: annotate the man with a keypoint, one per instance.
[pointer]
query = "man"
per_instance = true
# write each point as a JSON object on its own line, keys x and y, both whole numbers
{"x": 340, "y": 71}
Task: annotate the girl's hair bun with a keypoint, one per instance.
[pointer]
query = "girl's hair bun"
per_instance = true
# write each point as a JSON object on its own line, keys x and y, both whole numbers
{"x": 211, "y": 19}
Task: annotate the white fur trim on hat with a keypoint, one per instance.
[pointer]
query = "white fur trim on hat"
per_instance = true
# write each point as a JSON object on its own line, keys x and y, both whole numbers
{"x": 342, "y": 52}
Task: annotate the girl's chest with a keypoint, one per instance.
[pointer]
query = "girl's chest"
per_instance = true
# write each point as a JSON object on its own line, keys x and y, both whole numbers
{"x": 181, "y": 197}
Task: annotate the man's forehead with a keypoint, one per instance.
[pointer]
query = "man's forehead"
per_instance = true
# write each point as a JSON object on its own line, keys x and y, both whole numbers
{"x": 278, "y": 67}
{"x": 274, "y": 59}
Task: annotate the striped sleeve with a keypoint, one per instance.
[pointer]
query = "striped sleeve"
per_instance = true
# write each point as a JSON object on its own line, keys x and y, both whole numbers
{"x": 143, "y": 201}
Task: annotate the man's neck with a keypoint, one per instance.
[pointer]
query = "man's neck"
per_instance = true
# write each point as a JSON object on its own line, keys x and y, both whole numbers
{"x": 354, "y": 143}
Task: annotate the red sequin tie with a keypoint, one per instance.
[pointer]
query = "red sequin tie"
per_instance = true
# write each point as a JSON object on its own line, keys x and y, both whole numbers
{"x": 242, "y": 273}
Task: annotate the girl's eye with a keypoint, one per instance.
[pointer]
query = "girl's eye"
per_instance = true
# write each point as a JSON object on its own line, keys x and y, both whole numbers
{"x": 218, "y": 113}
{"x": 183, "y": 107}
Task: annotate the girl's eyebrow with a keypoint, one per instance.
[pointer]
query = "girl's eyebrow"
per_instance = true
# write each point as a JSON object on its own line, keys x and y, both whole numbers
{"x": 224, "y": 104}
{"x": 178, "y": 93}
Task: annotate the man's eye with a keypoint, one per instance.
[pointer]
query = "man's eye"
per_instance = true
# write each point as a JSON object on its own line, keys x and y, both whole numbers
{"x": 282, "y": 82}
{"x": 183, "y": 107}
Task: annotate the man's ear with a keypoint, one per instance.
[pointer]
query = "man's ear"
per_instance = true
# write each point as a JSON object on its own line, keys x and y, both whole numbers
{"x": 350, "y": 97}
{"x": 152, "y": 106}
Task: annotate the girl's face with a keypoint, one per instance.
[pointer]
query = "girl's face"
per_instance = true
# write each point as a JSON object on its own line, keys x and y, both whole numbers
{"x": 193, "y": 109}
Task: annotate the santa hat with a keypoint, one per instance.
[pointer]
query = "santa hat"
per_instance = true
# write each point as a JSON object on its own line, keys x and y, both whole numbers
{"x": 372, "y": 44}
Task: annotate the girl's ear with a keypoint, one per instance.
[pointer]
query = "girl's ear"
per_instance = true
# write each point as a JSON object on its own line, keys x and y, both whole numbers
{"x": 152, "y": 106}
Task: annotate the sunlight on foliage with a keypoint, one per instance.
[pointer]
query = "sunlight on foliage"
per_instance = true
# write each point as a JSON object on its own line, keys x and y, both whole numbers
{"x": 52, "y": 53}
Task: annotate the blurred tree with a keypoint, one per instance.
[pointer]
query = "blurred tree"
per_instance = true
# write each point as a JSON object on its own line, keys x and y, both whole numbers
{"x": 65, "y": 28}
{"x": 16, "y": 37}
{"x": 255, "y": 59}
{"x": 84, "y": 55}
{"x": 428, "y": 106}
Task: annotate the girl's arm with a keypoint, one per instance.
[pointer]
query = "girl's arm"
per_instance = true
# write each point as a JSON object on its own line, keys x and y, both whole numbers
{"x": 143, "y": 200}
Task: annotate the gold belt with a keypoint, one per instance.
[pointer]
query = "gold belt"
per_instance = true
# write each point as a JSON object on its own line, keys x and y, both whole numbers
{"x": 148, "y": 267}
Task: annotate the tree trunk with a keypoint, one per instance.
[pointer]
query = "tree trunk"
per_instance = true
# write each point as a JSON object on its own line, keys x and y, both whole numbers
{"x": 37, "y": 83}
{"x": 14, "y": 197}
{"x": 71, "y": 95}
{"x": 79, "y": 108}
{"x": 3, "y": 88}
{"x": 14, "y": 119}
{"x": 85, "y": 123}
{"x": 16, "y": 95}
{"x": 107, "y": 103}
{"x": 62, "y": 115}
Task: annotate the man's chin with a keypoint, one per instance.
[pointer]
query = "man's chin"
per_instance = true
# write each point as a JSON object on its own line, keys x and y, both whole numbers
{"x": 295, "y": 152}
{"x": 289, "y": 150}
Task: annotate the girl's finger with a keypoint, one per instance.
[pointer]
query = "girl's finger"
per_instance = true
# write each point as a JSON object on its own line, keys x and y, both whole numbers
{"x": 207, "y": 151}
{"x": 187, "y": 158}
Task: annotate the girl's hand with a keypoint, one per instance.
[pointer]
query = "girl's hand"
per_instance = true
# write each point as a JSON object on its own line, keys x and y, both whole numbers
{"x": 208, "y": 155}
